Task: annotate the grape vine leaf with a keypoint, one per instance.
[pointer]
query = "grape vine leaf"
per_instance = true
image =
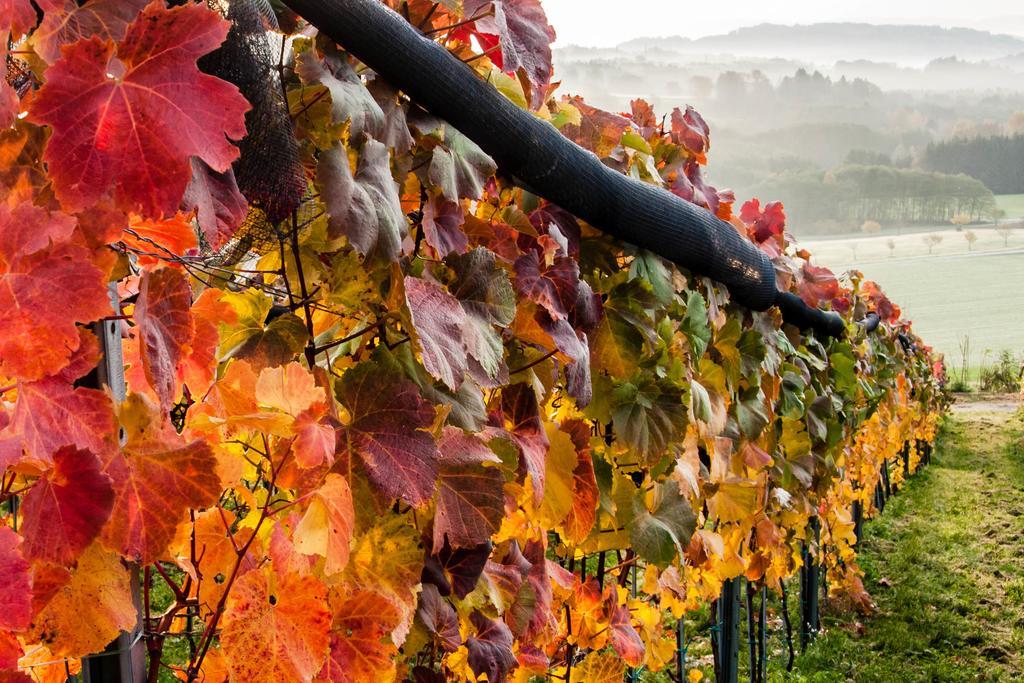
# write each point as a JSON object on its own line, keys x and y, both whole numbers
{"x": 519, "y": 405}
{"x": 15, "y": 583}
{"x": 439, "y": 618}
{"x": 387, "y": 432}
{"x": 50, "y": 414}
{"x": 599, "y": 667}
{"x": 583, "y": 513}
{"x": 442, "y": 223}
{"x": 289, "y": 388}
{"x": 129, "y": 117}
{"x": 485, "y": 292}
{"x": 89, "y": 609}
{"x": 661, "y": 533}
{"x": 17, "y": 17}
{"x": 490, "y": 650}
{"x": 359, "y": 647}
{"x": 439, "y": 321}
{"x": 326, "y": 527}
{"x": 276, "y": 627}
{"x": 470, "y": 502}
{"x": 219, "y": 206}
{"x": 166, "y": 328}
{"x": 157, "y": 478}
{"x": 458, "y": 167}
{"x": 625, "y": 640}
{"x": 66, "y": 21}
{"x": 48, "y": 283}
{"x": 66, "y": 508}
{"x": 525, "y": 37}
{"x": 350, "y": 100}
{"x": 364, "y": 207}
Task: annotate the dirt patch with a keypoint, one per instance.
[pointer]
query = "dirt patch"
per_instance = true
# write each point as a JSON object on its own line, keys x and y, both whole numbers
{"x": 987, "y": 403}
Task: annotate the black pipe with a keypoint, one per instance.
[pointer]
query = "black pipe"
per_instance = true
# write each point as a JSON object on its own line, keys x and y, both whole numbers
{"x": 534, "y": 152}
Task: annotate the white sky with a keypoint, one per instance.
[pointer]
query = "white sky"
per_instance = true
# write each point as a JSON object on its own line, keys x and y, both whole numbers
{"x": 608, "y": 22}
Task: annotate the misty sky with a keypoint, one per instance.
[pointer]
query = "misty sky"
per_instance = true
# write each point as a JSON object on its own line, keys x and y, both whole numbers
{"x": 608, "y": 22}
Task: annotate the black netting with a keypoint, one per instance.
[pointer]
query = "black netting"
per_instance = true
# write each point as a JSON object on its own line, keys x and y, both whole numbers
{"x": 268, "y": 170}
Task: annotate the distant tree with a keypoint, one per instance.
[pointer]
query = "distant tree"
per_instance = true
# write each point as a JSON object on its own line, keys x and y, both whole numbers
{"x": 931, "y": 240}
{"x": 971, "y": 238}
{"x": 891, "y": 243}
{"x": 1015, "y": 126}
{"x": 960, "y": 219}
{"x": 1004, "y": 230}
{"x": 870, "y": 227}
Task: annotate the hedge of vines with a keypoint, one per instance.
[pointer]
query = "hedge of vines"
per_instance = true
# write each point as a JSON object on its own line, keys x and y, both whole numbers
{"x": 385, "y": 445}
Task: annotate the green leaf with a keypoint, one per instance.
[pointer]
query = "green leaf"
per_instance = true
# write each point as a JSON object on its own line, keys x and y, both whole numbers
{"x": 661, "y": 533}
{"x": 695, "y": 324}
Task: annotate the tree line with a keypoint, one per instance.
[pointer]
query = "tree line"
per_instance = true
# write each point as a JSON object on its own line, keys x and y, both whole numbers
{"x": 997, "y": 161}
{"x": 847, "y": 196}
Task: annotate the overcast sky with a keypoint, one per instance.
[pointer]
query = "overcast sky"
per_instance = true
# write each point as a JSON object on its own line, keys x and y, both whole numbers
{"x": 608, "y": 22}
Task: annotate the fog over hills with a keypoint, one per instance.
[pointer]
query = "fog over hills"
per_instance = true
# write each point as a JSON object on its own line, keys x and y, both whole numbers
{"x": 825, "y": 116}
{"x": 830, "y": 42}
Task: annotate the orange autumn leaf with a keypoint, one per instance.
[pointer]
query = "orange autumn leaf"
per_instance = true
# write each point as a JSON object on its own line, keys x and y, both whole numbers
{"x": 89, "y": 610}
{"x": 360, "y": 648}
{"x": 326, "y": 527}
{"x": 276, "y": 627}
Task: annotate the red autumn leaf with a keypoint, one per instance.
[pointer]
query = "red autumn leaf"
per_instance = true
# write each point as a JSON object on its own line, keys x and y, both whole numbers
{"x": 50, "y": 414}
{"x": 816, "y": 284}
{"x": 525, "y": 37}
{"x": 625, "y": 640}
{"x": 554, "y": 287}
{"x": 155, "y": 484}
{"x": 128, "y": 116}
{"x": 490, "y": 650}
{"x": 642, "y": 114}
{"x": 439, "y": 321}
{"x": 275, "y": 627}
{"x": 439, "y": 617}
{"x": 17, "y": 17}
{"x": 470, "y": 503}
{"x": 388, "y": 419}
{"x": 65, "y": 21}
{"x": 67, "y": 507}
{"x": 165, "y": 327}
{"x": 763, "y": 225}
{"x": 315, "y": 440}
{"x": 219, "y": 205}
{"x": 690, "y": 131}
{"x": 15, "y": 583}
{"x": 47, "y": 285}
{"x": 360, "y": 649}
{"x": 583, "y": 515}
{"x": 528, "y": 587}
{"x": 442, "y": 226}
{"x": 519, "y": 406}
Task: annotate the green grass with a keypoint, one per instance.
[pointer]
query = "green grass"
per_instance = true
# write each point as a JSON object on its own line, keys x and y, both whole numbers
{"x": 945, "y": 563}
{"x": 1012, "y": 204}
{"x": 949, "y": 294}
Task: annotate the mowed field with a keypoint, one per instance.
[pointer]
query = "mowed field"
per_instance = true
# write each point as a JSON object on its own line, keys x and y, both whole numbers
{"x": 1012, "y": 204}
{"x": 948, "y": 294}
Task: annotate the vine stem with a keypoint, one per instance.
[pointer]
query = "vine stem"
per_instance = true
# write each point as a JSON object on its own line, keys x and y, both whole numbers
{"x": 206, "y": 640}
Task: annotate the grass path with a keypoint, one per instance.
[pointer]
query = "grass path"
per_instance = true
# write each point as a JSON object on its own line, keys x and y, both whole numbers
{"x": 945, "y": 564}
